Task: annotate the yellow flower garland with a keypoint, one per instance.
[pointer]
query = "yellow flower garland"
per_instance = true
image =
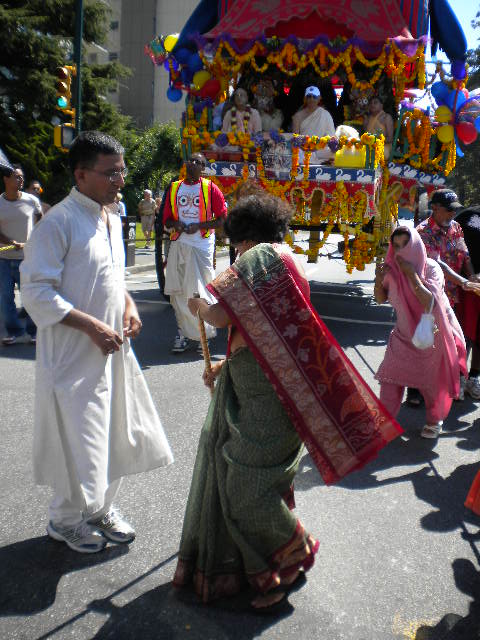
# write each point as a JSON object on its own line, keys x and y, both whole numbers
{"x": 227, "y": 62}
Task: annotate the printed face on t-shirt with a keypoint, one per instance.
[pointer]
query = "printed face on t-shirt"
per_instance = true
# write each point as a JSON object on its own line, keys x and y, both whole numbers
{"x": 188, "y": 204}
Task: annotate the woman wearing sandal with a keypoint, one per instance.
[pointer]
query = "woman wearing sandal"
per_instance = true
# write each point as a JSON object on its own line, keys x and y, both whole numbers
{"x": 285, "y": 383}
{"x": 411, "y": 282}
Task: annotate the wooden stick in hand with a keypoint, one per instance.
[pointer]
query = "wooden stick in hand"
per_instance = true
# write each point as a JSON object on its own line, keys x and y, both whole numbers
{"x": 204, "y": 343}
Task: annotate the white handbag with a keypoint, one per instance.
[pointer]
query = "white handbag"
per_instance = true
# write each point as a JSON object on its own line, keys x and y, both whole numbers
{"x": 424, "y": 335}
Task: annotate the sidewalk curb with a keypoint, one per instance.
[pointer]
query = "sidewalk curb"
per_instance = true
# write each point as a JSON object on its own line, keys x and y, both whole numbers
{"x": 139, "y": 268}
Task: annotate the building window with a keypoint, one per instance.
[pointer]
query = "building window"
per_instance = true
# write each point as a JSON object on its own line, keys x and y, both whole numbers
{"x": 113, "y": 55}
{"x": 114, "y": 25}
{"x": 92, "y": 58}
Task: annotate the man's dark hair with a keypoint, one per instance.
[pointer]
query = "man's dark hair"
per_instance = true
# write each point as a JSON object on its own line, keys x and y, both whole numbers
{"x": 6, "y": 172}
{"x": 258, "y": 217}
{"x": 88, "y": 145}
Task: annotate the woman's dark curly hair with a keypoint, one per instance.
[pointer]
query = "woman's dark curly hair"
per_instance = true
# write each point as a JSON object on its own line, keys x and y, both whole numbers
{"x": 258, "y": 217}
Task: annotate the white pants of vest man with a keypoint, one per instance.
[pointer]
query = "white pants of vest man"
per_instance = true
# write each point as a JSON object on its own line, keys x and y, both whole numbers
{"x": 189, "y": 270}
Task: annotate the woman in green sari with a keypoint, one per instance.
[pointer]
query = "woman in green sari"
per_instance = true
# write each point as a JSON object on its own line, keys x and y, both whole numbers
{"x": 276, "y": 390}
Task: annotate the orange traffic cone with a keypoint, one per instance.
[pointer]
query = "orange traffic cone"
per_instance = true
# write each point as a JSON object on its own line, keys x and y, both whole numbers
{"x": 473, "y": 498}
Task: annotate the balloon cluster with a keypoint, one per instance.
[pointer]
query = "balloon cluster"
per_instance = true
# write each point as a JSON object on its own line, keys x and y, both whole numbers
{"x": 185, "y": 68}
{"x": 458, "y": 114}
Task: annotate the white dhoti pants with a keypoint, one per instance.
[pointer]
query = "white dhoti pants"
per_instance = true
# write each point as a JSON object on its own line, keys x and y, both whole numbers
{"x": 189, "y": 270}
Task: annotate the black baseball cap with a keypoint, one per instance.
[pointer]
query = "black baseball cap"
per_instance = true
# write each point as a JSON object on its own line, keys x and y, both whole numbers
{"x": 446, "y": 198}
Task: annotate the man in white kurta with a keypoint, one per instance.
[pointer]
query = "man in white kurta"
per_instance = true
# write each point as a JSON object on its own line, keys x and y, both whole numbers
{"x": 95, "y": 421}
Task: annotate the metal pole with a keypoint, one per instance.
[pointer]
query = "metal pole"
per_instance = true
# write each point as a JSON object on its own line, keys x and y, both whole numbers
{"x": 77, "y": 58}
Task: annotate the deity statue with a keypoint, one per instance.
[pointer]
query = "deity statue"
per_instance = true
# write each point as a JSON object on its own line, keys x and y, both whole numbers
{"x": 242, "y": 117}
{"x": 271, "y": 117}
{"x": 378, "y": 122}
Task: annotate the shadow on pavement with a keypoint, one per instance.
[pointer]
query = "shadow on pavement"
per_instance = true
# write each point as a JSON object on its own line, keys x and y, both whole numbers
{"x": 401, "y": 452}
{"x": 163, "y": 613}
{"x": 18, "y": 352}
{"x": 30, "y": 571}
{"x": 154, "y": 344}
{"x": 453, "y": 626}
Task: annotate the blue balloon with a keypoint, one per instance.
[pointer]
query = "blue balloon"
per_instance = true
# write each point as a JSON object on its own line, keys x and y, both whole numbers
{"x": 458, "y": 69}
{"x": 460, "y": 153}
{"x": 195, "y": 62}
{"x": 182, "y": 55}
{"x": 477, "y": 123}
{"x": 186, "y": 76}
{"x": 173, "y": 94}
{"x": 451, "y": 100}
{"x": 171, "y": 61}
{"x": 440, "y": 91}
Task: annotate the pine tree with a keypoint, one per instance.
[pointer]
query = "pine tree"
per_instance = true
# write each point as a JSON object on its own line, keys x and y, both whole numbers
{"x": 36, "y": 37}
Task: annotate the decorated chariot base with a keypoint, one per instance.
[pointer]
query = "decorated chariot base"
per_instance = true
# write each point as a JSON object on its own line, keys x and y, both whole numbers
{"x": 355, "y": 192}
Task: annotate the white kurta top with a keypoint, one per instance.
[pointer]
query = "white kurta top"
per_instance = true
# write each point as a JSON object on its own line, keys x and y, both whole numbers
{"x": 94, "y": 417}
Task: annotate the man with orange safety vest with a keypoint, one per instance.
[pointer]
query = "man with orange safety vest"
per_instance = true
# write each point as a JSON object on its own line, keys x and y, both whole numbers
{"x": 194, "y": 208}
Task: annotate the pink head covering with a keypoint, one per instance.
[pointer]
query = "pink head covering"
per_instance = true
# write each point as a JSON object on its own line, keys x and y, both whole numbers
{"x": 415, "y": 253}
{"x": 432, "y": 277}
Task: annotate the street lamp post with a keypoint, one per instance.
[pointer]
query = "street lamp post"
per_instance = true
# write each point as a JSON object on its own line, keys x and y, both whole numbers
{"x": 77, "y": 56}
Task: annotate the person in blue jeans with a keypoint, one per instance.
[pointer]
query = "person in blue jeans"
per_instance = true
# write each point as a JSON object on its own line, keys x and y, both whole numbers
{"x": 18, "y": 213}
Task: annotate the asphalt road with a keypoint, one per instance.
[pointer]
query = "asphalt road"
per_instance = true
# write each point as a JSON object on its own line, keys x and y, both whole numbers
{"x": 399, "y": 556}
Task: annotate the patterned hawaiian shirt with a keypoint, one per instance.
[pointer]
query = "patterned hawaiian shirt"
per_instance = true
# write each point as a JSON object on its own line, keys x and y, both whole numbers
{"x": 449, "y": 245}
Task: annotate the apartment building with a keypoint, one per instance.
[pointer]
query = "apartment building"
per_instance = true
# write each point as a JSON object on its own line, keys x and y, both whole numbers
{"x": 134, "y": 23}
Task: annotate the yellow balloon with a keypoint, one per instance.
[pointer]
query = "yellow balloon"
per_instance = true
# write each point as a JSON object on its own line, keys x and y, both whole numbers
{"x": 445, "y": 133}
{"x": 200, "y": 78}
{"x": 170, "y": 41}
{"x": 443, "y": 114}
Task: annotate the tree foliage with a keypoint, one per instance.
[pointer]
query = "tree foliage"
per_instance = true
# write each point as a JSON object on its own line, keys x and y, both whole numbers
{"x": 36, "y": 38}
{"x": 153, "y": 161}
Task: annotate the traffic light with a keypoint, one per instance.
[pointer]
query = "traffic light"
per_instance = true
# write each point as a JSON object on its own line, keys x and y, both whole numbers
{"x": 63, "y": 134}
{"x": 64, "y": 90}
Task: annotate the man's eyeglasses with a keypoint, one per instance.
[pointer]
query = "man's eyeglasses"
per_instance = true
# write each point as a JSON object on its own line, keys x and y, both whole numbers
{"x": 114, "y": 175}
{"x": 201, "y": 163}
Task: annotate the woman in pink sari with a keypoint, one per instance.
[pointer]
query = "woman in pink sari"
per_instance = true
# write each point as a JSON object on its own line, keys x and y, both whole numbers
{"x": 409, "y": 280}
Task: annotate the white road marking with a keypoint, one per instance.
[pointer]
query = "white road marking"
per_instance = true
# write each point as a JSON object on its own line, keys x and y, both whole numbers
{"x": 151, "y": 301}
{"x": 387, "y": 324}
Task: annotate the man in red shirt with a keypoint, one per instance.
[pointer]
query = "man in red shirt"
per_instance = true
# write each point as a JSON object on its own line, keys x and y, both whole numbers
{"x": 444, "y": 241}
{"x": 194, "y": 208}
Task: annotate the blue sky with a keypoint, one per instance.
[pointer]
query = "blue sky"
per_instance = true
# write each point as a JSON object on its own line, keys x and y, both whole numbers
{"x": 465, "y": 10}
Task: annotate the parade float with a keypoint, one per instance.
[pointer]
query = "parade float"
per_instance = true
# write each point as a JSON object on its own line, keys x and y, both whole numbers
{"x": 351, "y": 51}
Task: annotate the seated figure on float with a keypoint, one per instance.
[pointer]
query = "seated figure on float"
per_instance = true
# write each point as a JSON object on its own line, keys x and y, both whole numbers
{"x": 378, "y": 122}
{"x": 242, "y": 117}
{"x": 314, "y": 120}
{"x": 270, "y": 116}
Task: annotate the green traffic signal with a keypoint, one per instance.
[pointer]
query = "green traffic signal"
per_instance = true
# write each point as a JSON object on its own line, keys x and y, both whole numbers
{"x": 62, "y": 102}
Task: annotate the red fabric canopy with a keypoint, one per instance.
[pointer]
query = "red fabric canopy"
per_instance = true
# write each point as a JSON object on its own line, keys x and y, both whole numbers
{"x": 371, "y": 20}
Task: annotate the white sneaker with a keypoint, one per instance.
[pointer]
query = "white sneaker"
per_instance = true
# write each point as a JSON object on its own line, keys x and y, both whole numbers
{"x": 472, "y": 387}
{"x": 114, "y": 526}
{"x": 25, "y": 338}
{"x": 461, "y": 393}
{"x": 180, "y": 344}
{"x": 81, "y": 537}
